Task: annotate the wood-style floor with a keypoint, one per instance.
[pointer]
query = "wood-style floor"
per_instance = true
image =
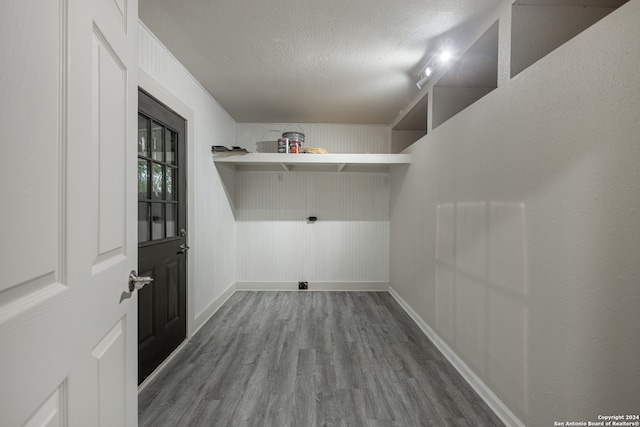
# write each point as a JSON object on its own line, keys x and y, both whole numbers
{"x": 311, "y": 359}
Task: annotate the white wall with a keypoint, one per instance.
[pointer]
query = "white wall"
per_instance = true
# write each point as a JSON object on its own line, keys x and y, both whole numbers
{"x": 515, "y": 233}
{"x": 211, "y": 227}
{"x": 347, "y": 248}
{"x": 336, "y": 138}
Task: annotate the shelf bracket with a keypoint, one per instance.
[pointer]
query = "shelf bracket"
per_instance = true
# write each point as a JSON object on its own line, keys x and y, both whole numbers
{"x": 284, "y": 166}
{"x": 341, "y": 166}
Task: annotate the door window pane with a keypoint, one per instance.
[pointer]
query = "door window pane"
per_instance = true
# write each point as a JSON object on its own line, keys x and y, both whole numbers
{"x": 143, "y": 136}
{"x": 157, "y": 221}
{"x": 143, "y": 179}
{"x": 143, "y": 222}
{"x": 156, "y": 182}
{"x": 171, "y": 146}
{"x": 157, "y": 144}
{"x": 172, "y": 183}
{"x": 172, "y": 217}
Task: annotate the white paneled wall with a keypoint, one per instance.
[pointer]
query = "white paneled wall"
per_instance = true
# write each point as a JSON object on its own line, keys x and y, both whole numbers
{"x": 336, "y": 138}
{"x": 211, "y": 226}
{"x": 348, "y": 243}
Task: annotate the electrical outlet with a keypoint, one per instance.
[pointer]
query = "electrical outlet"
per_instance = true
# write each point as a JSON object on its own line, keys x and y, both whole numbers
{"x": 303, "y": 285}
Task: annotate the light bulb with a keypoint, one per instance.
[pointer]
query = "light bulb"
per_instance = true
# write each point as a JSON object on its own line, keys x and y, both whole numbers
{"x": 445, "y": 56}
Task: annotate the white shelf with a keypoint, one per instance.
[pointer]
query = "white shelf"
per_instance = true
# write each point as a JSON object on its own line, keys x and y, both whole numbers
{"x": 311, "y": 162}
{"x": 229, "y": 163}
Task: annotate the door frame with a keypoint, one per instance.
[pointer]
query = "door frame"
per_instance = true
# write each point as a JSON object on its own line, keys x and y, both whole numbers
{"x": 155, "y": 89}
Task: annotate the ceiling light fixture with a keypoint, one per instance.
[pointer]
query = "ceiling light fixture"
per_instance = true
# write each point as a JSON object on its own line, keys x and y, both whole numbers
{"x": 440, "y": 59}
{"x": 424, "y": 77}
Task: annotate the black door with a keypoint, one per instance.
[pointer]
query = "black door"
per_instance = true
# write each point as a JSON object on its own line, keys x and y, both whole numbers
{"x": 161, "y": 232}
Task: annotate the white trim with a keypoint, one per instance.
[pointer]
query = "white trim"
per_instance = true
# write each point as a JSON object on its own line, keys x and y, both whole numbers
{"x": 485, "y": 393}
{"x": 161, "y": 366}
{"x": 207, "y": 314}
{"x": 314, "y": 286}
{"x": 203, "y": 317}
{"x": 155, "y": 89}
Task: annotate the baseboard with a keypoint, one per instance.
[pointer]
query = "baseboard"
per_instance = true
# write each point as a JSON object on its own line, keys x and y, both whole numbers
{"x": 161, "y": 366}
{"x": 197, "y": 323}
{"x": 202, "y": 317}
{"x": 314, "y": 286}
{"x": 485, "y": 393}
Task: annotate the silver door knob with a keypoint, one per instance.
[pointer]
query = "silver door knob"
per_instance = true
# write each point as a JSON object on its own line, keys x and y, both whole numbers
{"x": 136, "y": 282}
{"x": 183, "y": 249}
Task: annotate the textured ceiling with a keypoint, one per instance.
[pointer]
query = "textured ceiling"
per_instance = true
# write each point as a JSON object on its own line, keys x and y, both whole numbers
{"x": 288, "y": 61}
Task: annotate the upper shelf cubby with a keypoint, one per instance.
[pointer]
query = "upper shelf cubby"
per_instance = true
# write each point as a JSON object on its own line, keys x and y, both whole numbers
{"x": 473, "y": 76}
{"x": 540, "y": 26}
{"x": 412, "y": 127}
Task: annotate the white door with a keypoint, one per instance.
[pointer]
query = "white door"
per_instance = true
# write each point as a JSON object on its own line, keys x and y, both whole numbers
{"x": 68, "y": 110}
